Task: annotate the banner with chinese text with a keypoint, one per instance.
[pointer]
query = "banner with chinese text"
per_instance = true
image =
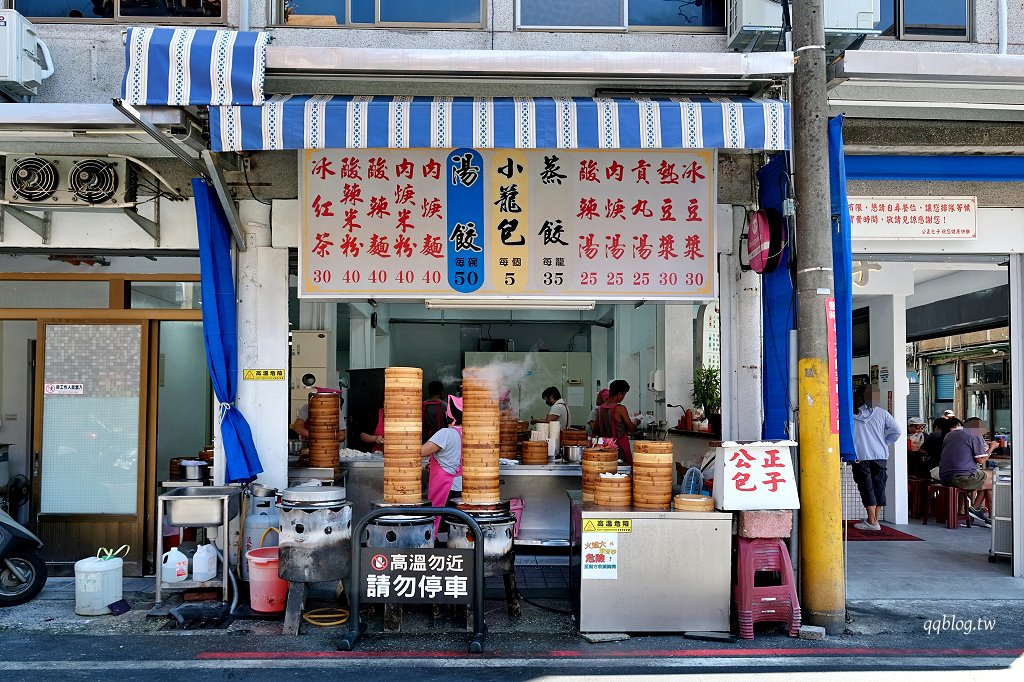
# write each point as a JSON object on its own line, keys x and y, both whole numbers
{"x": 914, "y": 217}
{"x": 610, "y": 224}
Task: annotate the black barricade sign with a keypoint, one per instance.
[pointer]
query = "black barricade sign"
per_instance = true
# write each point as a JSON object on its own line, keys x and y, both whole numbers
{"x": 420, "y": 576}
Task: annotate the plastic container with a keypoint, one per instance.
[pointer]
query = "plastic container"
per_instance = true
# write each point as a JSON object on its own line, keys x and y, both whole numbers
{"x": 204, "y": 564}
{"x": 516, "y": 505}
{"x": 175, "y": 566}
{"x": 262, "y": 514}
{"x": 97, "y": 584}
{"x": 268, "y": 593}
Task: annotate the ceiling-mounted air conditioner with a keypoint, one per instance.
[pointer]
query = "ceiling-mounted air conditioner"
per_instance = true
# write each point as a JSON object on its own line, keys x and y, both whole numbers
{"x": 756, "y": 25}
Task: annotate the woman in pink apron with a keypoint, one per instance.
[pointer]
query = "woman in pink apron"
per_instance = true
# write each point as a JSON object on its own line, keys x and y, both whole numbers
{"x": 377, "y": 438}
{"x": 445, "y": 452}
{"x": 613, "y": 420}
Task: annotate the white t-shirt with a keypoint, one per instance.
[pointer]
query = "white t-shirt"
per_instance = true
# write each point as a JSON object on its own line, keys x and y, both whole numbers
{"x": 450, "y": 454}
{"x": 562, "y": 410}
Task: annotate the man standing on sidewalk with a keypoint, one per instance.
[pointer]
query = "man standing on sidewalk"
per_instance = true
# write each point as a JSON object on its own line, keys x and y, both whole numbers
{"x": 874, "y": 430}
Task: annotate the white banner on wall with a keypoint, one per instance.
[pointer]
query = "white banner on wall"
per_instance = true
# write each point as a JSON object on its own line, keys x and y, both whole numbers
{"x": 581, "y": 224}
{"x": 914, "y": 217}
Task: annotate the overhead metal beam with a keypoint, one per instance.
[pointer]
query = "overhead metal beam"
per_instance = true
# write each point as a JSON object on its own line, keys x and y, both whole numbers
{"x": 953, "y": 67}
{"x": 133, "y": 115}
{"x": 227, "y": 202}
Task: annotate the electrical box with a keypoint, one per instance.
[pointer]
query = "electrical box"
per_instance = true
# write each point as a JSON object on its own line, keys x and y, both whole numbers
{"x": 24, "y": 59}
{"x": 755, "y": 25}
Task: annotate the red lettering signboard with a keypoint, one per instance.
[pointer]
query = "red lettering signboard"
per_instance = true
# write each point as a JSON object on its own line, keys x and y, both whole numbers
{"x": 554, "y": 223}
{"x": 914, "y": 217}
{"x": 755, "y": 475}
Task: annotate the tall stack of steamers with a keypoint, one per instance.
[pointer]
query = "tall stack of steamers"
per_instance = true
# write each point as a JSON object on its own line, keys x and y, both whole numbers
{"x": 403, "y": 432}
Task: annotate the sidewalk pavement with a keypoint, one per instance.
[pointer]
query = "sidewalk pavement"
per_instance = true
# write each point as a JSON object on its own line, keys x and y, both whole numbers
{"x": 883, "y": 625}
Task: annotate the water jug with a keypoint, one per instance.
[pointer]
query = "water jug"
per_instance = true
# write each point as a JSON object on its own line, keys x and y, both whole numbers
{"x": 97, "y": 584}
{"x": 204, "y": 564}
{"x": 175, "y": 566}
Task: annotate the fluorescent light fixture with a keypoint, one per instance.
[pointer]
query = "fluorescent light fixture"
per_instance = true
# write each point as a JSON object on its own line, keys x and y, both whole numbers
{"x": 458, "y": 303}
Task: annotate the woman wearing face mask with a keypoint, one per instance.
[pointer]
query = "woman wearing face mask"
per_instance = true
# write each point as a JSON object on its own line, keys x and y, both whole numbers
{"x": 445, "y": 452}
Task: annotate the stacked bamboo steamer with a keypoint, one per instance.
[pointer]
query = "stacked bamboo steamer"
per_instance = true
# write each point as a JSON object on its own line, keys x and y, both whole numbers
{"x": 597, "y": 461}
{"x": 695, "y": 503}
{"x": 480, "y": 435}
{"x": 324, "y": 425}
{"x": 534, "y": 451}
{"x": 652, "y": 474}
{"x": 613, "y": 490}
{"x": 403, "y": 433}
{"x": 509, "y": 433}
{"x": 573, "y": 437}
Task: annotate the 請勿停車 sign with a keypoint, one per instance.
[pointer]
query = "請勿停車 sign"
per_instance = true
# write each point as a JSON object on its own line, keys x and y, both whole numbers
{"x": 417, "y": 576}
{"x": 553, "y": 223}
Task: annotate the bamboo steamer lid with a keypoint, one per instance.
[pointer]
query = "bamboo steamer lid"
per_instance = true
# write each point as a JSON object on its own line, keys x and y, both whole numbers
{"x": 653, "y": 446}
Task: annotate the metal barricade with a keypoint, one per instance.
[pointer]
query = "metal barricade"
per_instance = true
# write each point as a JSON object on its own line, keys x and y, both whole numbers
{"x": 357, "y": 628}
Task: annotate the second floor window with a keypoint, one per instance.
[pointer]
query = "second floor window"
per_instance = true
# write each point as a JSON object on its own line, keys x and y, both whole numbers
{"x": 185, "y": 11}
{"x": 368, "y": 13}
{"x": 925, "y": 19}
{"x": 674, "y": 15}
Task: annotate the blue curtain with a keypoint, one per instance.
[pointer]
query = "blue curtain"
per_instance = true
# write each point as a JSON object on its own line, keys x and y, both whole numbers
{"x": 777, "y": 312}
{"x": 241, "y": 461}
{"x": 842, "y": 271}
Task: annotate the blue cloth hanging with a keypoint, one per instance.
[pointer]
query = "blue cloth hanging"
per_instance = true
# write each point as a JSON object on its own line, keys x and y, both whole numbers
{"x": 777, "y": 312}
{"x": 842, "y": 272}
{"x": 241, "y": 461}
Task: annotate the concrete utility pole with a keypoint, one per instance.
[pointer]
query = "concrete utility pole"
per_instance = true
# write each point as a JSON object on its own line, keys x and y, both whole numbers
{"x": 823, "y": 595}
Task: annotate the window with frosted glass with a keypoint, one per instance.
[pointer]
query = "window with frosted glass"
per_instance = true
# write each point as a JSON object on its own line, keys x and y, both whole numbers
{"x": 165, "y": 295}
{"x": 90, "y": 447}
{"x": 54, "y": 294}
{"x": 570, "y": 13}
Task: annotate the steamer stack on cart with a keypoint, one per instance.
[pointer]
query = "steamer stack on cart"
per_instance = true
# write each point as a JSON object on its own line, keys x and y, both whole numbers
{"x": 403, "y": 433}
{"x": 324, "y": 429}
{"x": 403, "y": 474}
{"x": 509, "y": 438}
{"x": 481, "y": 496}
{"x": 652, "y": 474}
{"x": 613, "y": 490}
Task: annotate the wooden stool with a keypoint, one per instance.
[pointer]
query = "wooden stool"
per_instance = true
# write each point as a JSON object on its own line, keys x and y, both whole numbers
{"x": 945, "y": 501}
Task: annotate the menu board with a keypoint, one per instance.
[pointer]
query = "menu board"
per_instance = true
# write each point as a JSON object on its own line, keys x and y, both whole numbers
{"x": 564, "y": 224}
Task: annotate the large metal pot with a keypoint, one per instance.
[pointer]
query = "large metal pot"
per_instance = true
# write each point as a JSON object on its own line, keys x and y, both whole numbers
{"x": 572, "y": 453}
{"x": 498, "y": 532}
{"x": 194, "y": 469}
{"x": 316, "y": 534}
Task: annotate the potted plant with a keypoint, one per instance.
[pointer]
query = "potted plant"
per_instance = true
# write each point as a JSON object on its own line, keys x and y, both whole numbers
{"x": 707, "y": 394}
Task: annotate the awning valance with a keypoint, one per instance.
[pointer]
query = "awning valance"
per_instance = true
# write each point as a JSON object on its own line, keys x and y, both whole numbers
{"x": 360, "y": 122}
{"x": 182, "y": 66}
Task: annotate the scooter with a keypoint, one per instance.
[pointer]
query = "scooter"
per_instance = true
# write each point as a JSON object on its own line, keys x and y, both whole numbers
{"x": 22, "y": 569}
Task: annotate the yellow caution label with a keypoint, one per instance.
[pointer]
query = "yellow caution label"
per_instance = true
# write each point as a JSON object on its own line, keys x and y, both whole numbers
{"x": 263, "y": 374}
{"x": 607, "y": 525}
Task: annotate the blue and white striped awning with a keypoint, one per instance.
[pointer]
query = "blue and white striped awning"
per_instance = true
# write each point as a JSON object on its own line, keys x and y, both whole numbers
{"x": 182, "y": 66}
{"x": 321, "y": 121}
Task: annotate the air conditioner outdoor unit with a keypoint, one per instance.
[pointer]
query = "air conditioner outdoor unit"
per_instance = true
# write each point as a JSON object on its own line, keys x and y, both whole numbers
{"x": 755, "y": 25}
{"x": 24, "y": 60}
{"x": 68, "y": 182}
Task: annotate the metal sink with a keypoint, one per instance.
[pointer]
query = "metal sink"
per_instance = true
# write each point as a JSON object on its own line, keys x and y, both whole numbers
{"x": 201, "y": 506}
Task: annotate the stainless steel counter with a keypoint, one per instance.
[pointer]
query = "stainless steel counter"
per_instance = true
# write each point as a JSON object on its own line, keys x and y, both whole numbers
{"x": 672, "y": 574}
{"x": 542, "y": 488}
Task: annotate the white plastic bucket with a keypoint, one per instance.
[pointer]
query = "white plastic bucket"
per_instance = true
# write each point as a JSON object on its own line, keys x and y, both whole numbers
{"x": 97, "y": 583}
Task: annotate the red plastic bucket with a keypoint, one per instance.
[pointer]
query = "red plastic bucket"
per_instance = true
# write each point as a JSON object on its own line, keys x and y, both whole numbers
{"x": 267, "y": 592}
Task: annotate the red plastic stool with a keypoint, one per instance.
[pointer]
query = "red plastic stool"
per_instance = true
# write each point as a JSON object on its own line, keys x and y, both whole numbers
{"x": 945, "y": 501}
{"x": 917, "y": 492}
{"x": 770, "y": 603}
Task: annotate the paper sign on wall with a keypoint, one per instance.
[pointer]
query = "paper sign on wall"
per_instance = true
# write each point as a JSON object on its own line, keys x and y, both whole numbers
{"x": 600, "y": 556}
{"x": 755, "y": 476}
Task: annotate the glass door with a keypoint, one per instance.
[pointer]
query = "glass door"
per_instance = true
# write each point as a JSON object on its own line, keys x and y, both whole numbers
{"x": 90, "y": 430}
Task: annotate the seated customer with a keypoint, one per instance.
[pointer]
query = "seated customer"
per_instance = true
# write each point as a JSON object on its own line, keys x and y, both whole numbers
{"x": 964, "y": 451}
{"x": 931, "y": 449}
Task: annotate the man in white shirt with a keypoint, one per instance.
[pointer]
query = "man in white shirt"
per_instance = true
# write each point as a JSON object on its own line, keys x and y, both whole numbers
{"x": 559, "y": 411}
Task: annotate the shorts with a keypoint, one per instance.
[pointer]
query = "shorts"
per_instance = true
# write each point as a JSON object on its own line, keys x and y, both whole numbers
{"x": 871, "y": 477}
{"x": 972, "y": 481}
